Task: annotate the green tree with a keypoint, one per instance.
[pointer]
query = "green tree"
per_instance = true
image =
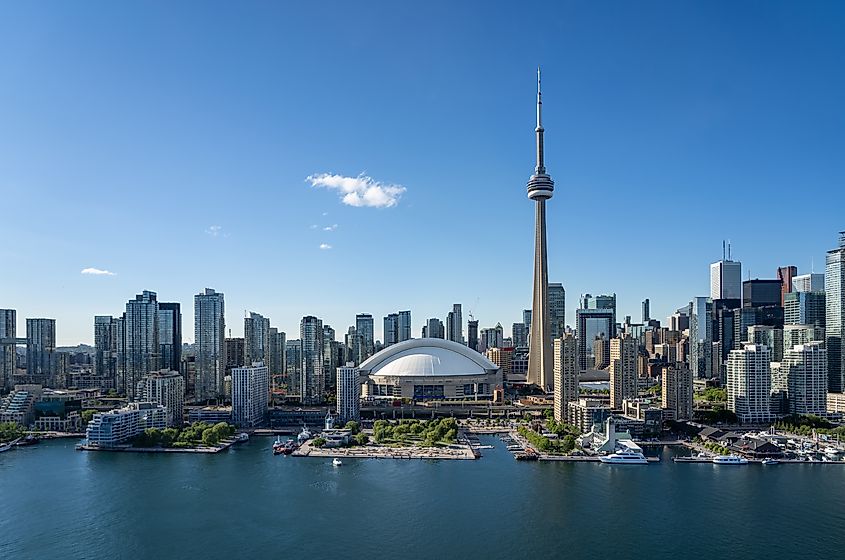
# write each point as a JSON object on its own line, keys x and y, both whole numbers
{"x": 87, "y": 415}
{"x": 354, "y": 426}
{"x": 361, "y": 438}
{"x": 318, "y": 442}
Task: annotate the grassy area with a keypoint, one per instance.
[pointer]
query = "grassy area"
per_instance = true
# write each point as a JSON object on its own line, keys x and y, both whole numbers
{"x": 198, "y": 433}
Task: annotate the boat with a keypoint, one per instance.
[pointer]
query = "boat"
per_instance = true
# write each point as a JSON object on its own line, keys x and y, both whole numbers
{"x": 729, "y": 460}
{"x": 242, "y": 437}
{"x": 770, "y": 461}
{"x": 278, "y": 446}
{"x": 28, "y": 440}
{"x": 336, "y": 462}
{"x": 625, "y": 457}
{"x": 9, "y": 445}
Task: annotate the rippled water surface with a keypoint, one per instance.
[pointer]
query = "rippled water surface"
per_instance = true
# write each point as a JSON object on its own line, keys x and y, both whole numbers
{"x": 61, "y": 503}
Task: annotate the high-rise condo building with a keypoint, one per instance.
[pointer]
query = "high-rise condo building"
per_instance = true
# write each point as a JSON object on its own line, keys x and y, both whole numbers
{"x": 786, "y": 274}
{"x": 592, "y": 325}
{"x": 725, "y": 280}
{"x": 293, "y": 366}
{"x": 41, "y": 351}
{"x": 557, "y": 310}
{"x": 278, "y": 340}
{"x": 519, "y": 334}
{"x": 646, "y": 311}
{"x": 769, "y": 336}
{"x": 565, "y": 374}
{"x": 330, "y": 356}
{"x": 108, "y": 343}
{"x": 167, "y": 388}
{"x": 472, "y": 334}
{"x": 701, "y": 338}
{"x": 8, "y": 342}
{"x": 312, "y": 380}
{"x": 256, "y": 339}
{"x": 391, "y": 329}
{"x": 348, "y": 393}
{"x": 750, "y": 383}
{"x": 170, "y": 335}
{"x": 250, "y": 394}
{"x": 540, "y": 189}
{"x": 404, "y": 326}
{"x": 834, "y": 287}
{"x": 677, "y": 391}
{"x": 455, "y": 324}
{"x": 434, "y": 329}
{"x": 805, "y": 368}
{"x": 364, "y": 327}
{"x": 211, "y": 346}
{"x": 354, "y": 344}
{"x": 492, "y": 337}
{"x": 142, "y": 348}
{"x": 804, "y": 308}
{"x": 623, "y": 370}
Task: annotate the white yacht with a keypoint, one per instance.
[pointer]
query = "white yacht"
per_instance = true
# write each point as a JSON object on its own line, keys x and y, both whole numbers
{"x": 770, "y": 461}
{"x": 336, "y": 462}
{"x": 625, "y": 457}
{"x": 729, "y": 460}
{"x": 242, "y": 437}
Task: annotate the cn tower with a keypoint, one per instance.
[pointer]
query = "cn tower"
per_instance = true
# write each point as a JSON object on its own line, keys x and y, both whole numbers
{"x": 540, "y": 189}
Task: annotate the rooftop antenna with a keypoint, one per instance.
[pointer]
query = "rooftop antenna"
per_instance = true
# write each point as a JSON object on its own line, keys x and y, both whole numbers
{"x": 723, "y": 249}
{"x": 812, "y": 265}
{"x": 729, "y": 249}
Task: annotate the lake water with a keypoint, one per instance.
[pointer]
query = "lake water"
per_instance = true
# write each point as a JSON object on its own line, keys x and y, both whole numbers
{"x": 246, "y": 503}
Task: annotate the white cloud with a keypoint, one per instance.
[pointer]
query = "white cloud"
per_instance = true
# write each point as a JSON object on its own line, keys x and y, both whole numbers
{"x": 325, "y": 246}
{"x": 214, "y": 231}
{"x": 325, "y": 213}
{"x": 330, "y": 228}
{"x": 359, "y": 191}
{"x": 313, "y": 226}
{"x": 97, "y": 272}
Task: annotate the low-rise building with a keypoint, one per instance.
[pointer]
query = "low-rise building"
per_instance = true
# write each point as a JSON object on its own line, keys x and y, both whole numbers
{"x": 117, "y": 427}
{"x": 584, "y": 413}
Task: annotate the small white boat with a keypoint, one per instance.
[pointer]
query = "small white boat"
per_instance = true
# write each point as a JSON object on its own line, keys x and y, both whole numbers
{"x": 8, "y": 446}
{"x": 242, "y": 437}
{"x": 729, "y": 460}
{"x": 624, "y": 457}
{"x": 336, "y": 462}
{"x": 770, "y": 461}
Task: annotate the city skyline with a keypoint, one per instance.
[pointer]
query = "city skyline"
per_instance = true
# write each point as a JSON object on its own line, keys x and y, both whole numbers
{"x": 275, "y": 160}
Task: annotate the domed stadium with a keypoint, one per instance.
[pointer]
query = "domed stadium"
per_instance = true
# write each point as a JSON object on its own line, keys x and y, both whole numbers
{"x": 430, "y": 369}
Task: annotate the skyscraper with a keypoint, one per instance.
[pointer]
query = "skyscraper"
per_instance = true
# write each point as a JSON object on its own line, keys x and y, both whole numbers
{"x": 256, "y": 339}
{"x": 726, "y": 279}
{"x": 805, "y": 368}
{"x": 170, "y": 335}
{"x": 834, "y": 287}
{"x": 278, "y": 341}
{"x": 404, "y": 326}
{"x": 167, "y": 388}
{"x": 330, "y": 347}
{"x": 623, "y": 370}
{"x": 455, "y": 324}
{"x": 108, "y": 334}
{"x": 348, "y": 393}
{"x": 312, "y": 381}
{"x": 750, "y": 383}
{"x": 364, "y": 327}
{"x": 250, "y": 394}
{"x": 804, "y": 308}
{"x": 210, "y": 346}
{"x": 41, "y": 351}
{"x": 677, "y": 391}
{"x": 142, "y": 341}
{"x": 8, "y": 355}
{"x": 646, "y": 311}
{"x": 557, "y": 310}
{"x": 293, "y": 367}
{"x": 434, "y": 329}
{"x": 808, "y": 283}
{"x": 592, "y": 325}
{"x": 786, "y": 275}
{"x": 472, "y": 334}
{"x": 540, "y": 189}
{"x": 701, "y": 338}
{"x": 391, "y": 329}
{"x": 519, "y": 334}
{"x": 565, "y": 374}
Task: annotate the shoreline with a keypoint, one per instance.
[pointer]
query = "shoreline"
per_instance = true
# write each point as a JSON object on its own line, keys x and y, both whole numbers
{"x": 458, "y": 452}
{"x": 204, "y": 450}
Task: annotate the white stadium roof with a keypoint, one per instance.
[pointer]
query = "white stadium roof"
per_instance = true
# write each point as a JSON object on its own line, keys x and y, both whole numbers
{"x": 427, "y": 357}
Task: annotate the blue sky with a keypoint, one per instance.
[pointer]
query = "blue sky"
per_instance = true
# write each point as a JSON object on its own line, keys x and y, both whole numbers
{"x": 170, "y": 143}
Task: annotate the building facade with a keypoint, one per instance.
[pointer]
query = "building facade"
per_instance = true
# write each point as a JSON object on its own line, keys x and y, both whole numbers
{"x": 677, "y": 391}
{"x": 749, "y": 384}
{"x": 565, "y": 374}
{"x": 805, "y": 369}
{"x": 312, "y": 380}
{"x": 348, "y": 393}
{"x": 557, "y": 310}
{"x": 250, "y": 394}
{"x": 455, "y": 324}
{"x": 834, "y": 287}
{"x": 623, "y": 370}
{"x": 142, "y": 351}
{"x": 166, "y": 388}
{"x": 211, "y": 345}
{"x": 726, "y": 279}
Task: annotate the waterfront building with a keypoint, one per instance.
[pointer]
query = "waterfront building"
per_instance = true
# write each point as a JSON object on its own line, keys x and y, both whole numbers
{"x": 808, "y": 283}
{"x": 677, "y": 391}
{"x": 519, "y": 334}
{"x": 170, "y": 335}
{"x": 805, "y": 369}
{"x": 725, "y": 279}
{"x": 117, "y": 427}
{"x": 18, "y": 406}
{"x": 836, "y": 403}
{"x": 364, "y": 327}
{"x": 250, "y": 394}
{"x": 749, "y": 383}
{"x": 41, "y": 351}
{"x": 565, "y": 374}
{"x": 786, "y": 274}
{"x": 804, "y": 308}
{"x": 142, "y": 351}
{"x": 592, "y": 324}
{"x": 430, "y": 369}
{"x": 455, "y": 324}
{"x": 472, "y": 334}
{"x": 8, "y": 344}
{"x": 256, "y": 339}
{"x": 623, "y": 370}
{"x": 391, "y": 329}
{"x": 404, "y": 325}
{"x": 834, "y": 287}
{"x": 701, "y": 338}
{"x": 348, "y": 393}
{"x": 557, "y": 310}
{"x": 312, "y": 381}
{"x": 587, "y": 412}
{"x": 167, "y": 388}
{"x": 540, "y": 189}
{"x": 211, "y": 347}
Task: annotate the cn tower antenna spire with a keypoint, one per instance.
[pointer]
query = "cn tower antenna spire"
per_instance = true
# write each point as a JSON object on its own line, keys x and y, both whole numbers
{"x": 541, "y": 164}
